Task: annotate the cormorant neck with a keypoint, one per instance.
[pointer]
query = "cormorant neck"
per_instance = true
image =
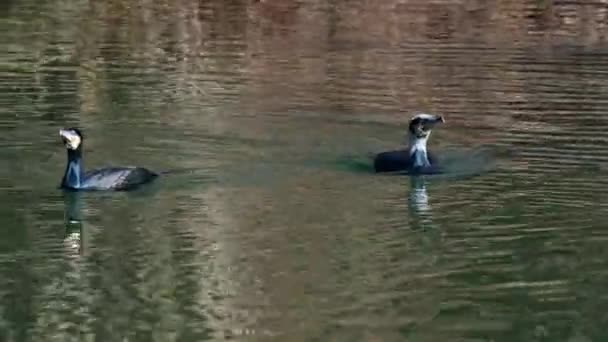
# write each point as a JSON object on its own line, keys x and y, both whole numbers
{"x": 74, "y": 170}
{"x": 418, "y": 153}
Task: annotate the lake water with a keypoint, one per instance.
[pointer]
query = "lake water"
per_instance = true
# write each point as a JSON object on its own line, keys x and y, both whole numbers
{"x": 275, "y": 229}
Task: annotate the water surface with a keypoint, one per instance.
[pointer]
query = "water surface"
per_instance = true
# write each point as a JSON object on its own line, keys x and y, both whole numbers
{"x": 278, "y": 231}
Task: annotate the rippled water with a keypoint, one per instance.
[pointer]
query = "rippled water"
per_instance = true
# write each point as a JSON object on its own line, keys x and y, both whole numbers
{"x": 276, "y": 229}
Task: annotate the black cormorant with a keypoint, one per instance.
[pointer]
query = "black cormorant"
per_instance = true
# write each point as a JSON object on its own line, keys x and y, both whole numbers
{"x": 415, "y": 159}
{"x": 110, "y": 178}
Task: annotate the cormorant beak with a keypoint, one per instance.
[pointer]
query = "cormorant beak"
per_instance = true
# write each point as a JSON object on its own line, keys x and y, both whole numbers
{"x": 70, "y": 139}
{"x": 422, "y": 124}
{"x": 435, "y": 120}
{"x": 64, "y": 134}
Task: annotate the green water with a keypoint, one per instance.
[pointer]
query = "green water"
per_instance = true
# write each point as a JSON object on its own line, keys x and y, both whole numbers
{"x": 278, "y": 231}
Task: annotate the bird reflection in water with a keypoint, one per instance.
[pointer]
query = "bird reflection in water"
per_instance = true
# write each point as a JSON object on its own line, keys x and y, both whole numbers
{"x": 74, "y": 230}
{"x": 420, "y": 210}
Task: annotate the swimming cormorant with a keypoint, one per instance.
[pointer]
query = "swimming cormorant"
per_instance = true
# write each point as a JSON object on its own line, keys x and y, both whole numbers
{"x": 111, "y": 178}
{"x": 415, "y": 159}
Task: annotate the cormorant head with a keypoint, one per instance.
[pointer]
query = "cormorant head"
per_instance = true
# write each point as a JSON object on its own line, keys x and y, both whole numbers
{"x": 72, "y": 138}
{"x": 422, "y": 124}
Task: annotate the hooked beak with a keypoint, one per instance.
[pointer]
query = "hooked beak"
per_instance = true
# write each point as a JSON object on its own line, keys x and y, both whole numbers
{"x": 438, "y": 119}
{"x": 422, "y": 125}
{"x": 70, "y": 139}
{"x": 65, "y": 135}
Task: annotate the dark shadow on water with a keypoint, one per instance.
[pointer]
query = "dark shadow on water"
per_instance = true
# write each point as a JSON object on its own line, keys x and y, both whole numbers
{"x": 356, "y": 163}
{"x": 72, "y": 201}
{"x": 458, "y": 164}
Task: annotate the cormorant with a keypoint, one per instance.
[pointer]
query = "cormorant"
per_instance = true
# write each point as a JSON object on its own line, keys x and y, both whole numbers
{"x": 110, "y": 178}
{"x": 415, "y": 159}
